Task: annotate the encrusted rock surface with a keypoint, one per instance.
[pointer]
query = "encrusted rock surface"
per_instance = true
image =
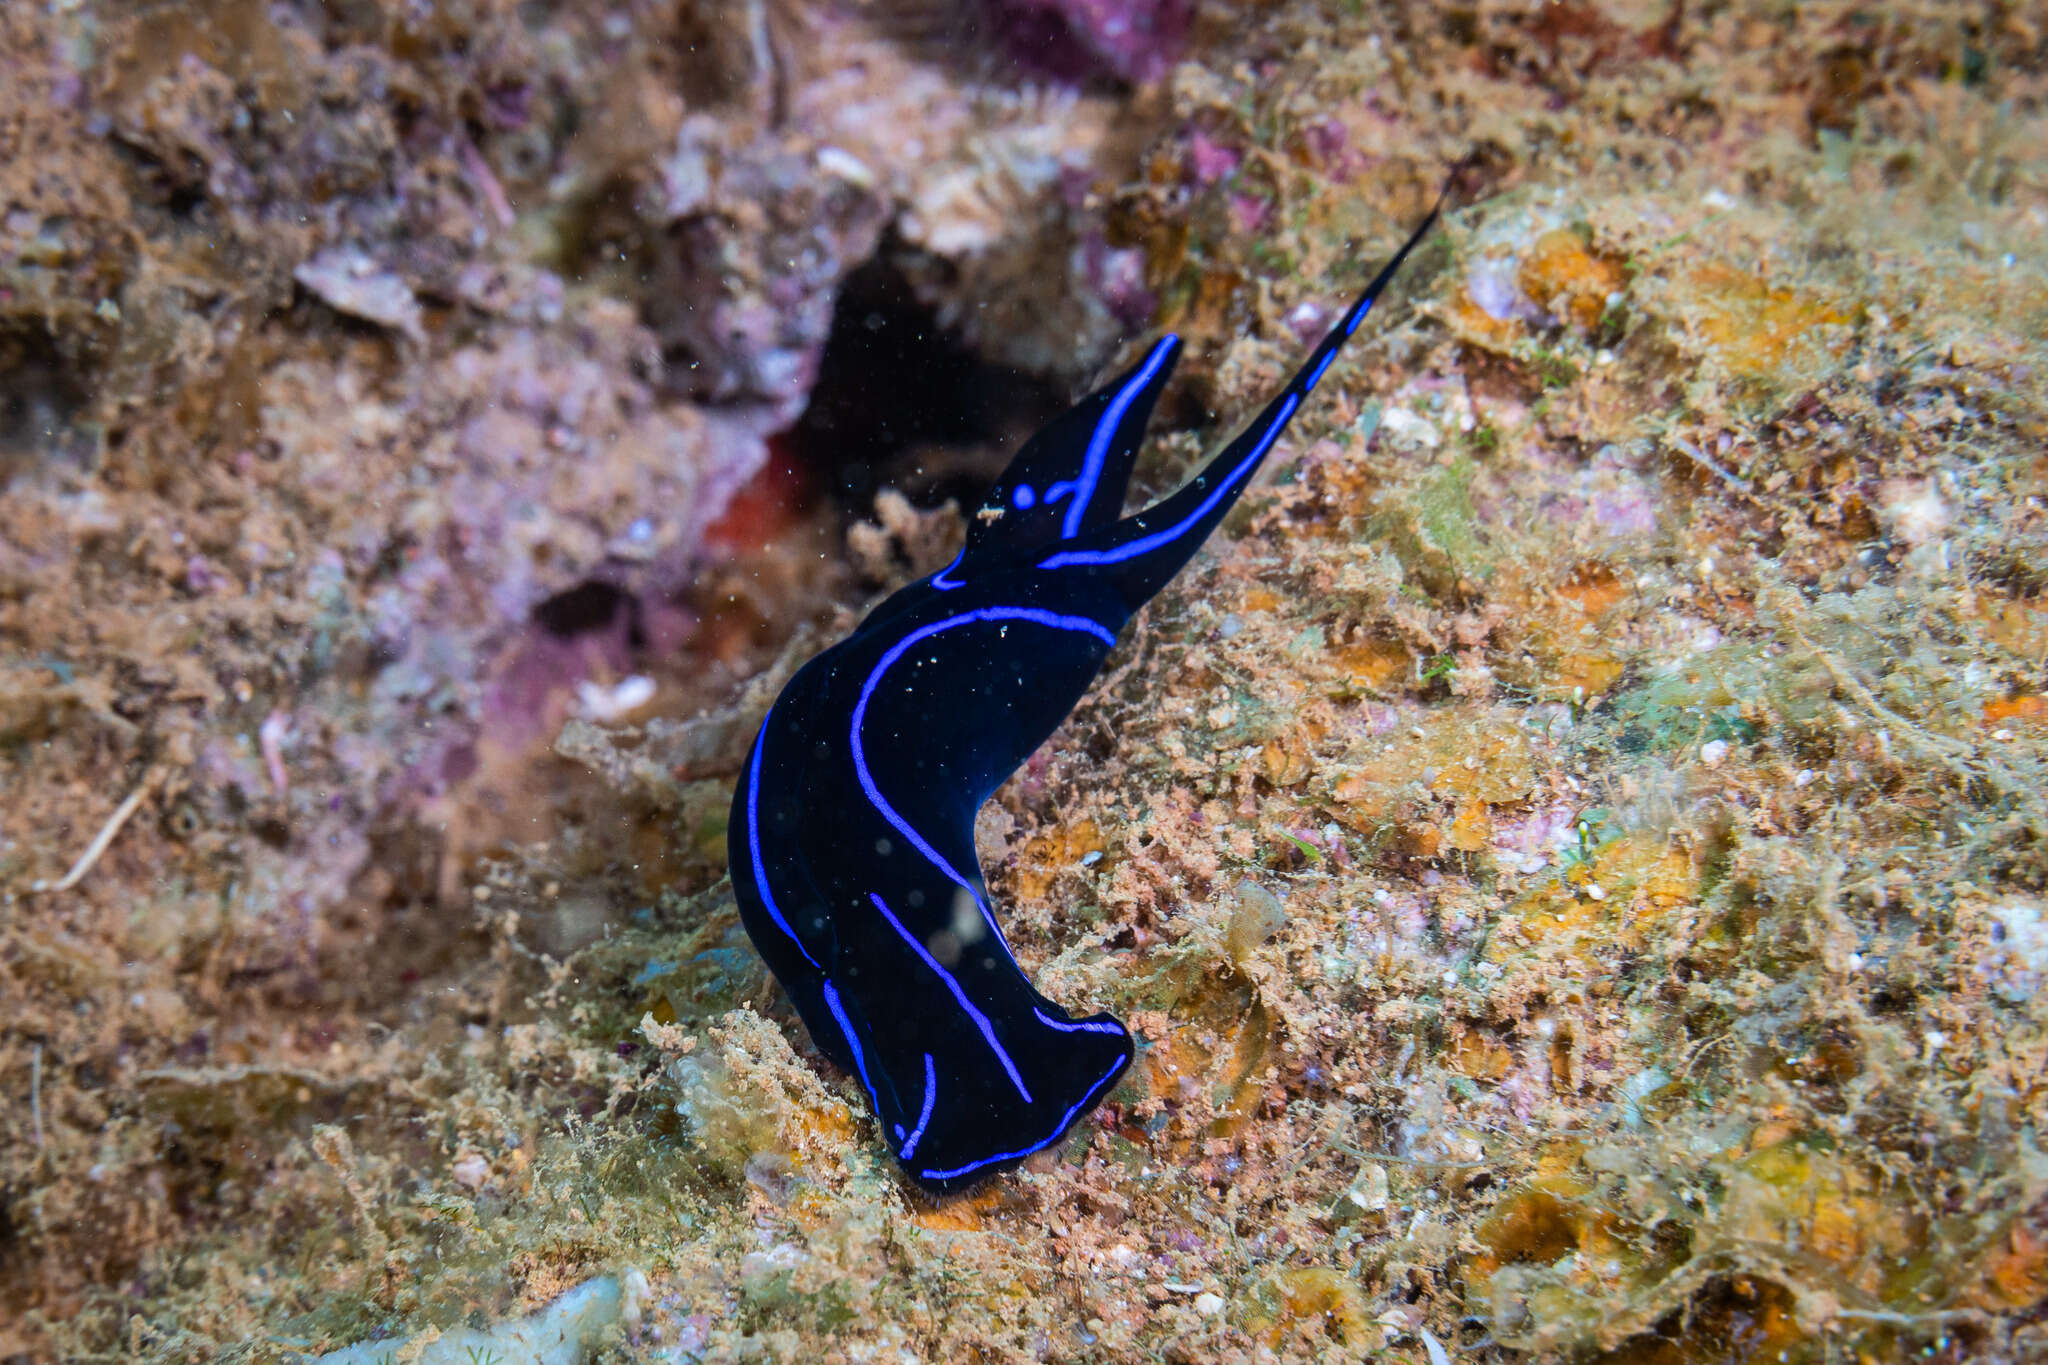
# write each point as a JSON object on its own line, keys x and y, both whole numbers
{"x": 1573, "y": 848}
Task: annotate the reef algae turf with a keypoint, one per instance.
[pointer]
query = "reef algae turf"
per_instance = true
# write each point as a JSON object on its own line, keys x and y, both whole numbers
{"x": 1568, "y": 853}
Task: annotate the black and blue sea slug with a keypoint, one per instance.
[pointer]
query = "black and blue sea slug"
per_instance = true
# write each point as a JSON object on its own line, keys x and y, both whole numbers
{"x": 852, "y": 835}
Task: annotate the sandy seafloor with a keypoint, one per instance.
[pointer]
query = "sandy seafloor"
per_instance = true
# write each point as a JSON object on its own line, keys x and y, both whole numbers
{"x": 1573, "y": 847}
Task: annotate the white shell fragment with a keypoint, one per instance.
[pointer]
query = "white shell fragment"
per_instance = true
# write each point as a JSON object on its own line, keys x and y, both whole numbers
{"x": 347, "y": 280}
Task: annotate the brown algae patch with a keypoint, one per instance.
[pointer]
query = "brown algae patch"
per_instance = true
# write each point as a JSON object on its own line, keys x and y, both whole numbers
{"x": 1750, "y": 326}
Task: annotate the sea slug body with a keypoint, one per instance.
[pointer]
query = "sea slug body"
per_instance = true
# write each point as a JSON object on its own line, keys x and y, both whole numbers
{"x": 852, "y": 833}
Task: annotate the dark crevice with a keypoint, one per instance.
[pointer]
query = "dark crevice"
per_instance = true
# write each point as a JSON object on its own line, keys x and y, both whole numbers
{"x": 42, "y": 394}
{"x": 902, "y": 402}
{"x": 10, "y": 1231}
{"x": 589, "y": 608}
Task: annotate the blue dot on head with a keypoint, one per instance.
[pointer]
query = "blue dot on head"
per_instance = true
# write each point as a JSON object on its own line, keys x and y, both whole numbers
{"x": 1022, "y": 496}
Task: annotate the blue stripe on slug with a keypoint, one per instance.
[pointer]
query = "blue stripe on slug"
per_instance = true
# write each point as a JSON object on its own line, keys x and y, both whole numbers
{"x": 860, "y": 1061}
{"x": 1316, "y": 376}
{"x": 896, "y": 651}
{"x": 754, "y": 846}
{"x": 981, "y": 1020}
{"x": 1145, "y": 545}
{"x": 1098, "y": 444}
{"x": 1074, "y": 1111}
{"x": 924, "y": 1115}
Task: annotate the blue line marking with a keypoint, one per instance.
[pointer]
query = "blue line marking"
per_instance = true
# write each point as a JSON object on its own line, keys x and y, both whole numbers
{"x": 1081, "y": 1026}
{"x": 981, "y": 1021}
{"x": 860, "y": 1061}
{"x": 1147, "y": 544}
{"x": 939, "y": 578}
{"x": 1316, "y": 377}
{"x": 754, "y": 847}
{"x": 1098, "y": 444}
{"x": 1057, "y": 1133}
{"x": 931, "y": 1095}
{"x": 1035, "y": 615}
{"x": 1358, "y": 312}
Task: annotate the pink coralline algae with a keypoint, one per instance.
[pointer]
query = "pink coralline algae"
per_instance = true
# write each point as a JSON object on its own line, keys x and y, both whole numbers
{"x": 1208, "y": 160}
{"x": 1134, "y": 40}
{"x": 540, "y": 460}
{"x": 1330, "y": 147}
{"x": 1248, "y": 214}
{"x": 545, "y": 470}
{"x": 1117, "y": 276}
{"x": 758, "y": 243}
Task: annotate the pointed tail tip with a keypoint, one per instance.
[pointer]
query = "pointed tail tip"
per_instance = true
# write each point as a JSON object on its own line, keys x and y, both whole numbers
{"x": 1443, "y": 203}
{"x": 1463, "y": 183}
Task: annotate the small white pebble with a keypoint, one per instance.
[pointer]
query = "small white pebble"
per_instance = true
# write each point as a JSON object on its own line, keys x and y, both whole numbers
{"x": 837, "y": 161}
{"x": 1405, "y": 428}
{"x": 1307, "y": 316}
{"x": 634, "y": 1295}
{"x": 1209, "y": 1305}
{"x": 470, "y": 1171}
{"x": 1713, "y": 751}
{"x": 2001, "y": 734}
{"x": 601, "y": 704}
{"x": 1916, "y": 511}
{"x": 1594, "y": 891}
{"x": 1802, "y": 777}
